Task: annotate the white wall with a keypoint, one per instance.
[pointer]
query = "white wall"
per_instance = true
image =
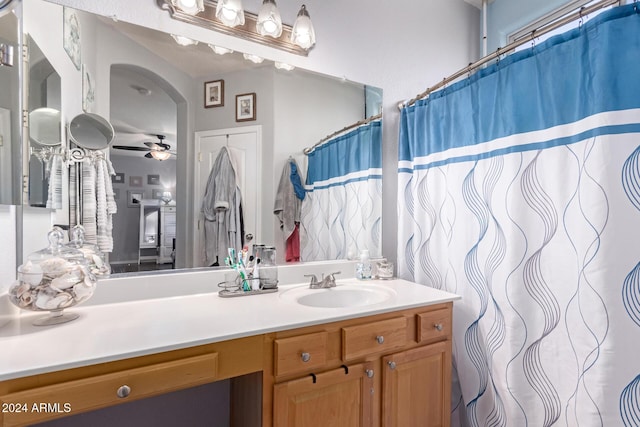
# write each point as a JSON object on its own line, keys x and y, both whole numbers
{"x": 402, "y": 49}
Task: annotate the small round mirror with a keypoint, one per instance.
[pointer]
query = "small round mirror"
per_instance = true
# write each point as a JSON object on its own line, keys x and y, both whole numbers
{"x": 44, "y": 126}
{"x": 91, "y": 131}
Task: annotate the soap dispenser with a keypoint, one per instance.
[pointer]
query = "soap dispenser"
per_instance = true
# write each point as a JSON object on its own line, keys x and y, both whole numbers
{"x": 363, "y": 267}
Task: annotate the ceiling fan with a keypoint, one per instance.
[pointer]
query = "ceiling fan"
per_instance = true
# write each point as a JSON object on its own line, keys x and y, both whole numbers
{"x": 155, "y": 150}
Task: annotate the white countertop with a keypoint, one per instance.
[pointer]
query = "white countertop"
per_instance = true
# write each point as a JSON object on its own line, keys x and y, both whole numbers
{"x": 114, "y": 331}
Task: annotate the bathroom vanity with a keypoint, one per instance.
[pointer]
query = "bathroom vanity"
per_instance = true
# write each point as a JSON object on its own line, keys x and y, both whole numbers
{"x": 290, "y": 360}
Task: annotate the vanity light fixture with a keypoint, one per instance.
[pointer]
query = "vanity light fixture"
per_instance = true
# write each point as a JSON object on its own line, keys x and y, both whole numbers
{"x": 253, "y": 58}
{"x": 283, "y": 66}
{"x": 230, "y": 12}
{"x": 220, "y": 50}
{"x": 248, "y": 27}
{"x": 160, "y": 155}
{"x": 191, "y": 7}
{"x": 184, "y": 41}
{"x": 303, "y": 33}
{"x": 269, "y": 22}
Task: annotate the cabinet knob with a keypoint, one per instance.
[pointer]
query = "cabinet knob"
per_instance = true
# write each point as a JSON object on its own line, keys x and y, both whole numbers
{"x": 305, "y": 357}
{"x": 369, "y": 373}
{"x": 380, "y": 339}
{"x": 123, "y": 391}
{"x": 392, "y": 365}
{"x": 438, "y": 326}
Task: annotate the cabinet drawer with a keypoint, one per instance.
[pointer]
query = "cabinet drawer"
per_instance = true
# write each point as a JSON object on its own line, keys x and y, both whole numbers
{"x": 86, "y": 394}
{"x": 433, "y": 325}
{"x": 375, "y": 337}
{"x": 301, "y": 353}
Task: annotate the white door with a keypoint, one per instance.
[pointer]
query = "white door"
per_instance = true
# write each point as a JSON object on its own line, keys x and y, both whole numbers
{"x": 247, "y": 142}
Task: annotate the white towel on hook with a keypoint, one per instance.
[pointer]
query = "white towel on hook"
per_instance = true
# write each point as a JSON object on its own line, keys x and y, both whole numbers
{"x": 88, "y": 220}
{"x": 105, "y": 204}
{"x": 54, "y": 196}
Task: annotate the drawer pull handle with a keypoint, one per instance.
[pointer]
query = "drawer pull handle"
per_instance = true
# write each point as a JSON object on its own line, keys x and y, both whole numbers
{"x": 346, "y": 369}
{"x": 369, "y": 373}
{"x": 305, "y": 357}
{"x": 380, "y": 339}
{"x": 392, "y": 365}
{"x": 123, "y": 391}
{"x": 438, "y": 326}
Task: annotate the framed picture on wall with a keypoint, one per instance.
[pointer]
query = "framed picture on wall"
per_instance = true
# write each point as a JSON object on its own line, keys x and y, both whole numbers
{"x": 71, "y": 35}
{"x": 118, "y": 178}
{"x": 214, "y": 94}
{"x": 134, "y": 198}
{"x": 135, "y": 181}
{"x": 245, "y": 107}
{"x": 153, "y": 180}
{"x": 116, "y": 193}
{"x": 156, "y": 194}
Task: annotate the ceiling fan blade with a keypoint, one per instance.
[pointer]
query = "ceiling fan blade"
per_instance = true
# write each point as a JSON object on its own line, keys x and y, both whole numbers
{"x": 153, "y": 145}
{"x": 130, "y": 148}
{"x": 148, "y": 156}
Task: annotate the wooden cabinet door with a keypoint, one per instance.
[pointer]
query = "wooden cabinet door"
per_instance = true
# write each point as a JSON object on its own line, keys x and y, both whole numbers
{"x": 416, "y": 388}
{"x": 336, "y": 398}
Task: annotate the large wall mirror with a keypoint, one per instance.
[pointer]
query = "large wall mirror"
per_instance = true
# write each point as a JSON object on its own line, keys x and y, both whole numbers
{"x": 10, "y": 105}
{"x": 173, "y": 108}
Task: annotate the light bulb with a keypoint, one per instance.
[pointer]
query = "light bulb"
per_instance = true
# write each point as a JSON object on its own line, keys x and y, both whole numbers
{"x": 253, "y": 58}
{"x": 283, "y": 66}
{"x": 190, "y": 7}
{"x": 230, "y": 12}
{"x": 303, "y": 33}
{"x": 220, "y": 50}
{"x": 269, "y": 22}
{"x": 184, "y": 41}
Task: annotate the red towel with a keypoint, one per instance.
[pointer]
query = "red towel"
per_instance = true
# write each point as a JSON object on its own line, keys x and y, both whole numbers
{"x": 293, "y": 245}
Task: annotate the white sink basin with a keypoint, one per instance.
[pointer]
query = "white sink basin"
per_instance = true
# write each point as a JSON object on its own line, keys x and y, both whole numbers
{"x": 343, "y": 295}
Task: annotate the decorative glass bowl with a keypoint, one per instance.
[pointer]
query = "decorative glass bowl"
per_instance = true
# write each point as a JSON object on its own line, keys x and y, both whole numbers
{"x": 95, "y": 258}
{"x": 52, "y": 280}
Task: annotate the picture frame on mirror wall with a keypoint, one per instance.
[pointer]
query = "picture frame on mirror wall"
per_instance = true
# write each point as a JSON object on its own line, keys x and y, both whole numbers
{"x": 214, "y": 94}
{"x": 153, "y": 180}
{"x": 135, "y": 181}
{"x": 245, "y": 107}
{"x": 118, "y": 178}
{"x": 134, "y": 198}
{"x": 71, "y": 35}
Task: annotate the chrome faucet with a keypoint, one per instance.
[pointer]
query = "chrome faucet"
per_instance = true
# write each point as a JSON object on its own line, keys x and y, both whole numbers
{"x": 326, "y": 282}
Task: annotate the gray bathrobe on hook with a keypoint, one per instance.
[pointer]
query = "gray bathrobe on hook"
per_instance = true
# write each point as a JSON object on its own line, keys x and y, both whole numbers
{"x": 221, "y": 207}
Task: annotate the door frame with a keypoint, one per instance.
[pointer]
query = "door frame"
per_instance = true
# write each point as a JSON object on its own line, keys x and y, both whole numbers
{"x": 198, "y": 190}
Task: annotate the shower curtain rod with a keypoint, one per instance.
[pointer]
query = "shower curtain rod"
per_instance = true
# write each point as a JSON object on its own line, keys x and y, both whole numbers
{"x": 501, "y": 51}
{"x": 328, "y": 137}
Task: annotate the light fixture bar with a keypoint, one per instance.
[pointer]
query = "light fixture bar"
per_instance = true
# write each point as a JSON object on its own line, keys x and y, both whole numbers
{"x": 207, "y": 19}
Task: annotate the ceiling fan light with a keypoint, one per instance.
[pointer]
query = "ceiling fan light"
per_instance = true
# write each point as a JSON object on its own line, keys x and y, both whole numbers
{"x": 269, "y": 22}
{"x": 253, "y": 58}
{"x": 230, "y": 12}
{"x": 302, "y": 32}
{"x": 220, "y": 50}
{"x": 190, "y": 7}
{"x": 184, "y": 41}
{"x": 160, "y": 155}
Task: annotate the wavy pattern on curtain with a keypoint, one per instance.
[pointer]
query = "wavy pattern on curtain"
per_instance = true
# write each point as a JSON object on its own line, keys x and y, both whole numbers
{"x": 341, "y": 213}
{"x": 519, "y": 189}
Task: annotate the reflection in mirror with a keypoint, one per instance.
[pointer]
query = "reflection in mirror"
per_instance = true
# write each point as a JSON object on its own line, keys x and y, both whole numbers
{"x": 10, "y": 126}
{"x": 167, "y": 138}
{"x": 44, "y": 106}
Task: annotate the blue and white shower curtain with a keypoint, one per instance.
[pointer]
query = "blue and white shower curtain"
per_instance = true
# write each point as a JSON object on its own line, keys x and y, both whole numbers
{"x": 341, "y": 213}
{"x": 519, "y": 190}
